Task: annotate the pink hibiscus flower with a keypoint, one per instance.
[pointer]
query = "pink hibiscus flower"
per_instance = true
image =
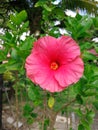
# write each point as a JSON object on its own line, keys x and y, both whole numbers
{"x": 54, "y": 63}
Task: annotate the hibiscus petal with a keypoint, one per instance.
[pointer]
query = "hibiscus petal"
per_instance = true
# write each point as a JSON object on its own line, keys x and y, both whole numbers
{"x": 47, "y": 42}
{"x": 49, "y": 83}
{"x": 33, "y": 64}
{"x": 48, "y": 46}
{"x": 70, "y": 73}
{"x": 68, "y": 48}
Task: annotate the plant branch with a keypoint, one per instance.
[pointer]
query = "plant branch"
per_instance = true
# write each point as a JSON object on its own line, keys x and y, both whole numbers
{"x": 66, "y": 105}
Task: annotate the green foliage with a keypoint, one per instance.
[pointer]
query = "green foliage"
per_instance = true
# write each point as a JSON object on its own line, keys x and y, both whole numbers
{"x": 81, "y": 127}
{"x": 17, "y": 19}
{"x": 35, "y": 95}
{"x": 95, "y": 21}
{"x": 86, "y": 119}
{"x": 79, "y": 26}
{"x": 44, "y": 5}
{"x": 29, "y": 114}
{"x": 13, "y": 45}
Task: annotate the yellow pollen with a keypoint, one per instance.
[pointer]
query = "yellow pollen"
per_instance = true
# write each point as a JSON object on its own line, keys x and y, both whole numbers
{"x": 54, "y": 66}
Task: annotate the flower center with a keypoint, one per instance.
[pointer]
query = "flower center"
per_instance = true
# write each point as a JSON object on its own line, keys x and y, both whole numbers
{"x": 54, "y": 66}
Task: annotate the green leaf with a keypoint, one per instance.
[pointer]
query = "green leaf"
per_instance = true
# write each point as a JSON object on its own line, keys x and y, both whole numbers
{"x": 78, "y": 112}
{"x": 17, "y": 19}
{"x": 79, "y": 99}
{"x": 46, "y": 7}
{"x": 96, "y": 104}
{"x": 86, "y": 22}
{"x": 95, "y": 69}
{"x": 86, "y": 124}
{"x": 30, "y": 120}
{"x": 22, "y": 16}
{"x": 89, "y": 93}
{"x": 4, "y": 38}
{"x": 34, "y": 94}
{"x": 85, "y": 45}
{"x": 2, "y": 68}
{"x": 27, "y": 111}
{"x": 27, "y": 44}
{"x": 14, "y": 54}
{"x": 96, "y": 48}
{"x": 25, "y": 25}
{"x": 34, "y": 115}
{"x": 40, "y": 3}
{"x": 81, "y": 127}
{"x": 80, "y": 86}
{"x": 13, "y": 65}
{"x": 88, "y": 56}
{"x": 8, "y": 35}
{"x": 11, "y": 26}
{"x": 43, "y": 4}
{"x": 88, "y": 71}
{"x": 58, "y": 13}
{"x": 96, "y": 96}
{"x": 89, "y": 116}
{"x": 78, "y": 17}
{"x": 13, "y": 19}
{"x": 2, "y": 55}
{"x": 28, "y": 108}
{"x": 31, "y": 94}
{"x": 95, "y": 21}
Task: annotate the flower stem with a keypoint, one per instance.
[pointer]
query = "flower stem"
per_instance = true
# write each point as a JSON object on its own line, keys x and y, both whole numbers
{"x": 52, "y": 119}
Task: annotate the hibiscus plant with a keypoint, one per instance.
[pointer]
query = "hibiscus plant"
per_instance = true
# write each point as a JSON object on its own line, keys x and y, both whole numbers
{"x": 58, "y": 72}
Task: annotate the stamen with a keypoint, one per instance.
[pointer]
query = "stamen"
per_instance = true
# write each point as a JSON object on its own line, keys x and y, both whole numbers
{"x": 54, "y": 66}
